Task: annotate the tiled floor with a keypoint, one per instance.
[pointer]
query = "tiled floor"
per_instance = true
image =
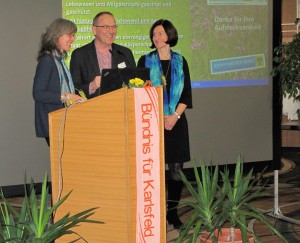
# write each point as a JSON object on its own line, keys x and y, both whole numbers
{"x": 287, "y": 206}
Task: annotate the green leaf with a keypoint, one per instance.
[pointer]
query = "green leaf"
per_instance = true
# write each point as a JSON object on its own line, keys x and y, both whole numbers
{"x": 33, "y": 222}
{"x": 213, "y": 206}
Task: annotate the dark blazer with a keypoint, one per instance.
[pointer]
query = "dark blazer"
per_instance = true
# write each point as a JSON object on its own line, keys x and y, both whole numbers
{"x": 46, "y": 93}
{"x": 84, "y": 64}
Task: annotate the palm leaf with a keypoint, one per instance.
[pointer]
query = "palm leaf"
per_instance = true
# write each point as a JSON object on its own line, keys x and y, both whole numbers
{"x": 213, "y": 205}
{"x": 205, "y": 204}
{"x": 34, "y": 222}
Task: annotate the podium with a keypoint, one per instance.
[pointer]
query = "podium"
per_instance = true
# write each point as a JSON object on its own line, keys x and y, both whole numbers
{"x": 93, "y": 153}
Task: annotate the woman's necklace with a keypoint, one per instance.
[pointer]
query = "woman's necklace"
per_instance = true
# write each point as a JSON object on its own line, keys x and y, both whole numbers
{"x": 164, "y": 76}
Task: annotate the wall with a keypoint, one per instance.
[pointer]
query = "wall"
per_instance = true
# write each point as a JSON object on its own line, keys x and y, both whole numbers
{"x": 21, "y": 24}
{"x": 289, "y": 29}
{"x": 290, "y": 137}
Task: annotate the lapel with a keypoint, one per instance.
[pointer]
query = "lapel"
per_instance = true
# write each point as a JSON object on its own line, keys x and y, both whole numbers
{"x": 115, "y": 56}
{"x": 93, "y": 58}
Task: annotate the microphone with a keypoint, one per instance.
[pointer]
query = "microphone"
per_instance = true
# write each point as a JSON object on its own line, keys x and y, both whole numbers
{"x": 107, "y": 73}
{"x": 114, "y": 59}
{"x": 130, "y": 66}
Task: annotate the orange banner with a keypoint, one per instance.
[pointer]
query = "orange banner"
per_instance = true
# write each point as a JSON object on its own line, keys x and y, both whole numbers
{"x": 147, "y": 165}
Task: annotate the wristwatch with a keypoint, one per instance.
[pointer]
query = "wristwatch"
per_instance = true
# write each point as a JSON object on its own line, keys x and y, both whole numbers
{"x": 177, "y": 115}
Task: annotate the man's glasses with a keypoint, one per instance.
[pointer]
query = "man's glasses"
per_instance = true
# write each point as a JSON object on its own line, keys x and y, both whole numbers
{"x": 107, "y": 27}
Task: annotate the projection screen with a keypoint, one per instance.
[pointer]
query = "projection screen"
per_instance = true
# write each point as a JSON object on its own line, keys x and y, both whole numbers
{"x": 228, "y": 46}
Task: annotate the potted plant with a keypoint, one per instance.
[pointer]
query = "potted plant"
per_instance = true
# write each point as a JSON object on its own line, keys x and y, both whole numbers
{"x": 33, "y": 222}
{"x": 287, "y": 65}
{"x": 218, "y": 209}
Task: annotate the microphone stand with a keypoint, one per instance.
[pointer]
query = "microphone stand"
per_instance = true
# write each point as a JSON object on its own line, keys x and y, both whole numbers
{"x": 126, "y": 59}
{"x": 118, "y": 70}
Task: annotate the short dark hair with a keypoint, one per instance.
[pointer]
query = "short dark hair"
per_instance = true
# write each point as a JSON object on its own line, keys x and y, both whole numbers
{"x": 100, "y": 14}
{"x": 169, "y": 29}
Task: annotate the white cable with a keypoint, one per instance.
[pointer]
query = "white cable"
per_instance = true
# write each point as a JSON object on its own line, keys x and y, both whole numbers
{"x": 60, "y": 150}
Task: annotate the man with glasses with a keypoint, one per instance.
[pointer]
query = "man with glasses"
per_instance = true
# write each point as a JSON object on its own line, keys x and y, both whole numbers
{"x": 88, "y": 61}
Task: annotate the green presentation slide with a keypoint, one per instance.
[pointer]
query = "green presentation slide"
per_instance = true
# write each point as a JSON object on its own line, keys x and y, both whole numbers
{"x": 225, "y": 42}
{"x": 134, "y": 19}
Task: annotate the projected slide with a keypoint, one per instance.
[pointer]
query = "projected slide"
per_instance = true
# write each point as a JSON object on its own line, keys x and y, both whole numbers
{"x": 224, "y": 41}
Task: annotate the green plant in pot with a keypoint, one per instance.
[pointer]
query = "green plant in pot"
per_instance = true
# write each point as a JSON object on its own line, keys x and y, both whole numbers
{"x": 33, "y": 222}
{"x": 226, "y": 206}
{"x": 287, "y": 65}
{"x": 205, "y": 204}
